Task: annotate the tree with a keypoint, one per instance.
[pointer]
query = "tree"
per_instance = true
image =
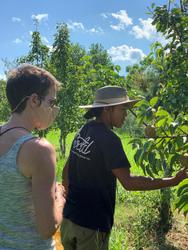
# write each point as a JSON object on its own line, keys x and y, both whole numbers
{"x": 4, "y": 107}
{"x": 97, "y": 71}
{"x": 65, "y": 61}
{"x": 38, "y": 54}
{"x": 99, "y": 55}
{"x": 143, "y": 78}
{"x": 167, "y": 110}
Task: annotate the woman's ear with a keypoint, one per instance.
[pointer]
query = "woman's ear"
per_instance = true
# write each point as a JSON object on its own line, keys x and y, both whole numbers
{"x": 34, "y": 100}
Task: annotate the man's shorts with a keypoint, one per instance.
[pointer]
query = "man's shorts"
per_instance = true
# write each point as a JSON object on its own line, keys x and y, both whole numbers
{"x": 75, "y": 237}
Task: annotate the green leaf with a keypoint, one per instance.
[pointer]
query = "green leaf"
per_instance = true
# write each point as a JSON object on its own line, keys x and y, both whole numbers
{"x": 149, "y": 171}
{"x": 162, "y": 112}
{"x": 154, "y": 101}
{"x": 137, "y": 155}
{"x": 161, "y": 122}
{"x": 136, "y": 141}
{"x": 141, "y": 103}
{"x": 182, "y": 190}
{"x": 183, "y": 201}
{"x": 174, "y": 159}
{"x": 151, "y": 158}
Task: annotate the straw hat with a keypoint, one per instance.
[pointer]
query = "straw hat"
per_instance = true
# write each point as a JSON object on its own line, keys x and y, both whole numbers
{"x": 110, "y": 96}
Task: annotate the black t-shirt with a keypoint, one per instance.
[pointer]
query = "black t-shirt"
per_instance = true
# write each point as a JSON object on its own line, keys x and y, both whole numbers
{"x": 95, "y": 151}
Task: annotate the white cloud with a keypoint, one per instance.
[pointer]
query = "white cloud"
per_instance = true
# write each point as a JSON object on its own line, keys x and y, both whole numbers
{"x": 123, "y": 18}
{"x": 126, "y": 53}
{"x": 144, "y": 30}
{"x": 96, "y": 30}
{"x": 17, "y": 41}
{"x": 75, "y": 26}
{"x": 148, "y": 31}
{"x": 40, "y": 17}
{"x": 16, "y": 19}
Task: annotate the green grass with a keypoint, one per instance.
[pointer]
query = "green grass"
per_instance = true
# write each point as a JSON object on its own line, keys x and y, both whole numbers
{"x": 53, "y": 137}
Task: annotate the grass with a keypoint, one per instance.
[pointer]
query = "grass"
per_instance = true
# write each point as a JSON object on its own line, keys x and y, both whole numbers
{"x": 53, "y": 137}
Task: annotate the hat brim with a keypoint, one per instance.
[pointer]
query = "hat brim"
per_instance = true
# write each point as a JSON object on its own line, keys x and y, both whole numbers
{"x": 129, "y": 104}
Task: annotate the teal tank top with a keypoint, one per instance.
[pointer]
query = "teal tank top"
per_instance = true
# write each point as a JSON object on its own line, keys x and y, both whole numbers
{"x": 18, "y": 230}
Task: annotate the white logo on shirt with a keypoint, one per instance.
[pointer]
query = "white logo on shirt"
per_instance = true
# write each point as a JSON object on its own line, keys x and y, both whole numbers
{"x": 82, "y": 145}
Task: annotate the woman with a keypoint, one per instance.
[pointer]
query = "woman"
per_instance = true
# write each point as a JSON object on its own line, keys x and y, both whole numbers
{"x": 31, "y": 202}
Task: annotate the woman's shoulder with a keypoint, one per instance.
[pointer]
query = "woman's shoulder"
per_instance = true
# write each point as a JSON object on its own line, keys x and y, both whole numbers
{"x": 39, "y": 151}
{"x": 41, "y": 144}
{"x": 39, "y": 148}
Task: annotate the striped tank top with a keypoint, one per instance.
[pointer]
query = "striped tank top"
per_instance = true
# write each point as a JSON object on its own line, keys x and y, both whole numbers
{"x": 18, "y": 230}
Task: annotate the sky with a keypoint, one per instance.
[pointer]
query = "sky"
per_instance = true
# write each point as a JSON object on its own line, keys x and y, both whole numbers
{"x": 122, "y": 27}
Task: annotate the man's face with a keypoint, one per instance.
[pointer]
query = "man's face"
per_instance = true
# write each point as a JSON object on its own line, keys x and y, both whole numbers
{"x": 117, "y": 115}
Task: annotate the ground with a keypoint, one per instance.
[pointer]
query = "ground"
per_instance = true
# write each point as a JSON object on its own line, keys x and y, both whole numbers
{"x": 178, "y": 236}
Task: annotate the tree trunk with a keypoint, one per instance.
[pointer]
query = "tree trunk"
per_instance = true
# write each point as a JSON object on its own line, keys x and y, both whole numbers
{"x": 165, "y": 221}
{"x": 62, "y": 142}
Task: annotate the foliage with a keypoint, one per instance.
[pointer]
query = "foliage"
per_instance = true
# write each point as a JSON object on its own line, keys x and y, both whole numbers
{"x": 181, "y": 203}
{"x": 38, "y": 54}
{"x": 143, "y": 226}
{"x": 143, "y": 78}
{"x": 166, "y": 107}
{"x": 98, "y": 55}
{"x": 172, "y": 59}
{"x": 4, "y": 107}
{"x": 97, "y": 71}
{"x": 173, "y": 22}
{"x": 65, "y": 62}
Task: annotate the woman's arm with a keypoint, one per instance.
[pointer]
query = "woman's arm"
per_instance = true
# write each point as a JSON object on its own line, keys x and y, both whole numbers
{"x": 48, "y": 197}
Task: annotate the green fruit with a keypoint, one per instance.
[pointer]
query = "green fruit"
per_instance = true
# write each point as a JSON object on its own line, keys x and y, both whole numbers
{"x": 184, "y": 160}
{"x": 150, "y": 131}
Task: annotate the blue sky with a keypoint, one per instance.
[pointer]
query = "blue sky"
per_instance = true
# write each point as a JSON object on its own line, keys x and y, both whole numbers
{"x": 122, "y": 27}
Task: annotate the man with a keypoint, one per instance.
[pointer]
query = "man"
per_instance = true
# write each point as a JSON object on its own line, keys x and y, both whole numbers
{"x": 96, "y": 160}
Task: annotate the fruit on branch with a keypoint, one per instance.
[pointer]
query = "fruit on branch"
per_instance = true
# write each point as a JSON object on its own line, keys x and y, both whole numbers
{"x": 184, "y": 160}
{"x": 150, "y": 131}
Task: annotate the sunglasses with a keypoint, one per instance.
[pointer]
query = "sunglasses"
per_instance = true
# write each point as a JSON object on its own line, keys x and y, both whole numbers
{"x": 52, "y": 102}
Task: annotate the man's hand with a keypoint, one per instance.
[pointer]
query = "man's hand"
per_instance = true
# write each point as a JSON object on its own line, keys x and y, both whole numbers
{"x": 181, "y": 175}
{"x": 184, "y": 161}
{"x": 60, "y": 195}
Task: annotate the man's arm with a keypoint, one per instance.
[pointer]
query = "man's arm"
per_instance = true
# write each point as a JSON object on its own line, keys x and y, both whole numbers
{"x": 139, "y": 183}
